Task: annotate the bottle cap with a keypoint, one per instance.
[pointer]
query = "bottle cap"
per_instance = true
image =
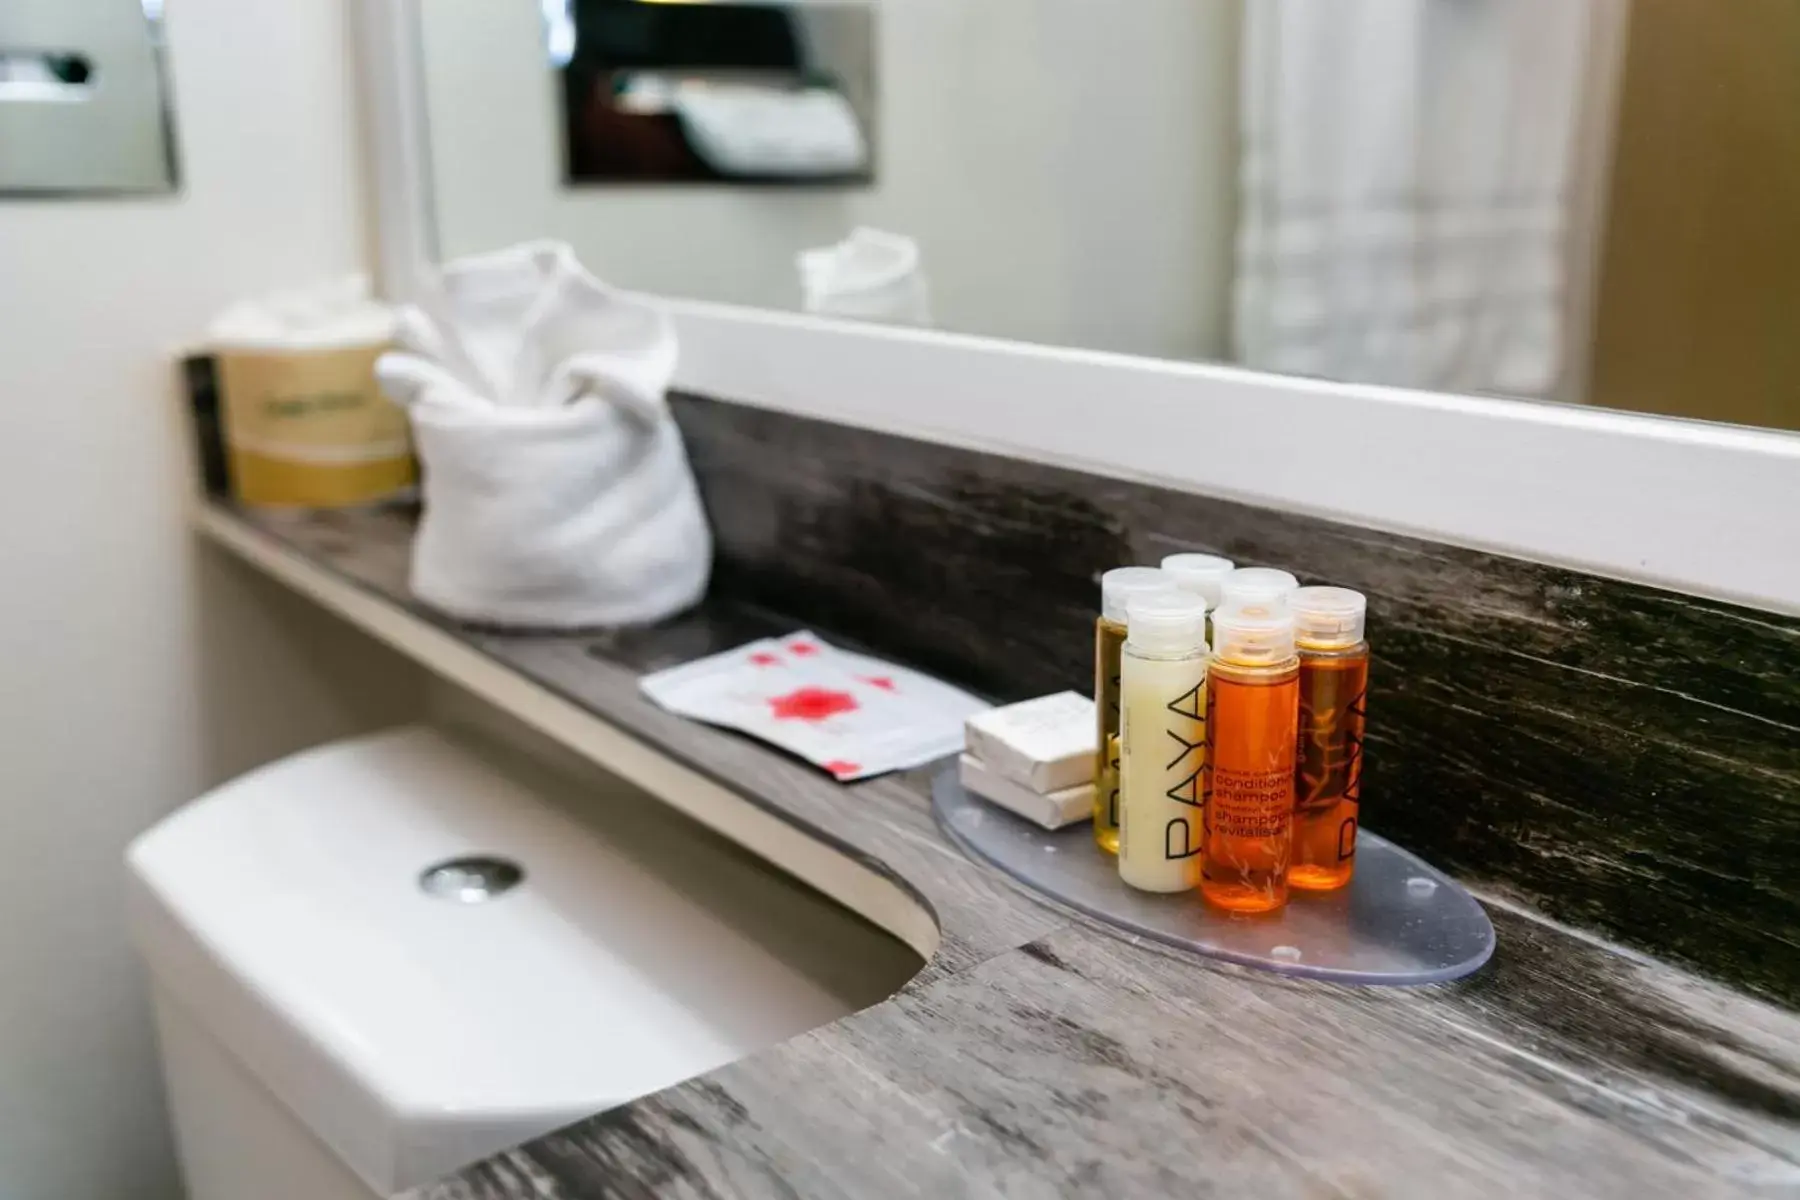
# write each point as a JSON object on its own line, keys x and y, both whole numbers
{"x": 1120, "y": 584}
{"x": 1253, "y": 635}
{"x": 1256, "y": 586}
{"x": 1201, "y": 574}
{"x": 1171, "y": 622}
{"x": 1327, "y": 618}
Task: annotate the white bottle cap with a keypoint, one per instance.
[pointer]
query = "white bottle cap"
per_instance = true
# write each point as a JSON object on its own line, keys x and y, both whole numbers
{"x": 1253, "y": 635}
{"x": 1256, "y": 586}
{"x": 1201, "y": 574}
{"x": 1172, "y": 622}
{"x": 1120, "y": 584}
{"x": 1327, "y": 618}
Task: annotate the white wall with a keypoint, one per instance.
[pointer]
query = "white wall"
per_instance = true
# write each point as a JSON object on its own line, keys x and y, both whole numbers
{"x": 1027, "y": 144}
{"x": 137, "y": 669}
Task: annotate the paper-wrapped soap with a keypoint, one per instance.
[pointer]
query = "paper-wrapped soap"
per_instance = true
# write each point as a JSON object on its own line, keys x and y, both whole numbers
{"x": 1045, "y": 744}
{"x": 1052, "y": 810}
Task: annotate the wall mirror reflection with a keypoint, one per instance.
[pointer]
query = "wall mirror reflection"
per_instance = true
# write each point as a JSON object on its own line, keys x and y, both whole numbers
{"x": 1585, "y": 201}
{"x": 719, "y": 92}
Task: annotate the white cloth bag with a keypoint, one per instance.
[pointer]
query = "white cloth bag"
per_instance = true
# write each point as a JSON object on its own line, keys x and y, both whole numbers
{"x": 557, "y": 492}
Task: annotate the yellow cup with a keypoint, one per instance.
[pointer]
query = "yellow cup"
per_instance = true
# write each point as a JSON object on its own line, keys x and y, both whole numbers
{"x": 310, "y": 428}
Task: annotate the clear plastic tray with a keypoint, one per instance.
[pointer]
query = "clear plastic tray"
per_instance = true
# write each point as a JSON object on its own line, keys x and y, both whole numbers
{"x": 1400, "y": 920}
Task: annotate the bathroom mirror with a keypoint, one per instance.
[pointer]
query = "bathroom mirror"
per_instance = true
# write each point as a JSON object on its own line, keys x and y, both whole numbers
{"x": 84, "y": 102}
{"x": 1585, "y": 201}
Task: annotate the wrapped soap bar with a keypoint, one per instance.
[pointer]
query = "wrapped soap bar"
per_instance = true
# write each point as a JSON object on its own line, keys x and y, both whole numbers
{"x": 1046, "y": 744}
{"x": 1052, "y": 810}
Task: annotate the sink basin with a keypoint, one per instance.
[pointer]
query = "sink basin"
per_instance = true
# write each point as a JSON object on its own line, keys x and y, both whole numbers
{"x": 429, "y": 949}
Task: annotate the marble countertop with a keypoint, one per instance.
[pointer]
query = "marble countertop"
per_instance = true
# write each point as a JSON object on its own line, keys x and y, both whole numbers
{"x": 1039, "y": 1054}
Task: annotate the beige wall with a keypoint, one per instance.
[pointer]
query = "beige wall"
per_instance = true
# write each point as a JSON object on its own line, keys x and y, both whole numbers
{"x": 1699, "y": 301}
{"x": 137, "y": 668}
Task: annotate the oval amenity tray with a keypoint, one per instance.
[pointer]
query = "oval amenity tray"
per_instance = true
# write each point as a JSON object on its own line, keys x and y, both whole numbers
{"x": 1399, "y": 920}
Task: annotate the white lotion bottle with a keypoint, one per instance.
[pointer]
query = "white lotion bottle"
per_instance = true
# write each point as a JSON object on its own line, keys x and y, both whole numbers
{"x": 1162, "y": 752}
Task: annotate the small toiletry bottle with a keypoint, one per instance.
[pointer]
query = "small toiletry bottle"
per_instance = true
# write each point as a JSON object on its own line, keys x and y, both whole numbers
{"x": 1255, "y": 586}
{"x": 1202, "y": 574}
{"x": 1116, "y": 589}
{"x": 1334, "y": 685}
{"x": 1252, "y": 706}
{"x": 1162, "y": 742}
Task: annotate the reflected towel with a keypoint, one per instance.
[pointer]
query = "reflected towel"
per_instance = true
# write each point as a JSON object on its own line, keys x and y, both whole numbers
{"x": 872, "y": 275}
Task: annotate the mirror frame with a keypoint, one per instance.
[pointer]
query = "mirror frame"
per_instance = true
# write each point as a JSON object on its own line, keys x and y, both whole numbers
{"x": 1698, "y": 507}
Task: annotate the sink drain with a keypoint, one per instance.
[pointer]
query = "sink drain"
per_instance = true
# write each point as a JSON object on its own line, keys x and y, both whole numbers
{"x": 471, "y": 880}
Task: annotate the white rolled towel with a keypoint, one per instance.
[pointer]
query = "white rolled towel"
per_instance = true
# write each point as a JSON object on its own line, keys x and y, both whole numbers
{"x": 557, "y": 492}
{"x": 872, "y": 275}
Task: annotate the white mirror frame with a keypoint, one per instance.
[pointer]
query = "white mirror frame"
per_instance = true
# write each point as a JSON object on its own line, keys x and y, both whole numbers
{"x": 1693, "y": 506}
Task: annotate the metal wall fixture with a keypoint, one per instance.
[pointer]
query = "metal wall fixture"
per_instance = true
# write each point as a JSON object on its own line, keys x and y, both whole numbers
{"x": 85, "y": 106}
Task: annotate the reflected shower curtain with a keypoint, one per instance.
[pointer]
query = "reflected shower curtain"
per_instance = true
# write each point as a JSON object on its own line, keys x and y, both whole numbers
{"x": 1420, "y": 189}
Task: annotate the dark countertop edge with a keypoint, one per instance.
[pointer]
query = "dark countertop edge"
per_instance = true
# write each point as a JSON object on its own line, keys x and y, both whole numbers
{"x": 270, "y": 551}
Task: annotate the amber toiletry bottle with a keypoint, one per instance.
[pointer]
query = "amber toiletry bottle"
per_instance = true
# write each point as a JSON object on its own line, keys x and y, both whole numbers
{"x": 1254, "y": 587}
{"x": 1202, "y": 574}
{"x": 1334, "y": 684}
{"x": 1117, "y": 587}
{"x": 1252, "y": 704}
